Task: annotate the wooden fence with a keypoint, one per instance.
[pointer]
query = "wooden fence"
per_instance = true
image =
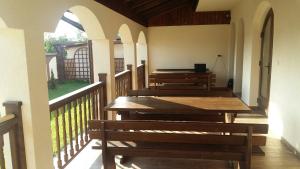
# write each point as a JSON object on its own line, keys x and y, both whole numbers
{"x": 123, "y": 81}
{"x": 12, "y": 125}
{"x": 71, "y": 113}
{"x": 141, "y": 75}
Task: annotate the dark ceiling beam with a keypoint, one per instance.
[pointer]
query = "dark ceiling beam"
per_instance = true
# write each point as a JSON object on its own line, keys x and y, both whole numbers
{"x": 73, "y": 23}
{"x": 151, "y": 5}
{"x": 167, "y": 7}
{"x": 187, "y": 16}
{"x": 139, "y": 3}
{"x": 118, "y": 6}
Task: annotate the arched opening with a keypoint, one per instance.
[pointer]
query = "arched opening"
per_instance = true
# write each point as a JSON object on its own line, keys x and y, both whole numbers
{"x": 129, "y": 50}
{"x": 258, "y": 23}
{"x": 80, "y": 57}
{"x": 265, "y": 62}
{"x": 119, "y": 55}
{"x": 69, "y": 57}
{"x": 142, "y": 53}
{"x": 238, "y": 59}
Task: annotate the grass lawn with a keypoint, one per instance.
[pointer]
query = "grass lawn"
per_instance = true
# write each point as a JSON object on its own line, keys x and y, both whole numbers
{"x": 60, "y": 90}
{"x": 63, "y": 88}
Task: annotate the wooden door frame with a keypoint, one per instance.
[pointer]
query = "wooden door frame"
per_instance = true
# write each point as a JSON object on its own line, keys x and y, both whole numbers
{"x": 269, "y": 16}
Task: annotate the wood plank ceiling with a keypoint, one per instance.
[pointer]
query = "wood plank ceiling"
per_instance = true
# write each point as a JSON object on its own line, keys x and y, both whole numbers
{"x": 166, "y": 12}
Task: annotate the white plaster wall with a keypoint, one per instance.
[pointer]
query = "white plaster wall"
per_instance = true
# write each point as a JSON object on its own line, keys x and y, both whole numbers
{"x": 284, "y": 112}
{"x": 119, "y": 51}
{"x": 53, "y": 67}
{"x": 183, "y": 46}
{"x": 238, "y": 58}
{"x": 15, "y": 64}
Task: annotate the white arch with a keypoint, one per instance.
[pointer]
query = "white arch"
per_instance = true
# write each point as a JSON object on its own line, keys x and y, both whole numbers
{"x": 142, "y": 38}
{"x": 125, "y": 34}
{"x": 89, "y": 21}
{"x": 142, "y": 52}
{"x": 129, "y": 50}
{"x": 257, "y": 24}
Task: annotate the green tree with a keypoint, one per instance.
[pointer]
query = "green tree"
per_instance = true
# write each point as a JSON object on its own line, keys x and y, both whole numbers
{"x": 50, "y": 41}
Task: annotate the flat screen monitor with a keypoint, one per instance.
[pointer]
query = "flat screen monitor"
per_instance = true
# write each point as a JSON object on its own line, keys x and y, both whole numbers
{"x": 200, "y": 68}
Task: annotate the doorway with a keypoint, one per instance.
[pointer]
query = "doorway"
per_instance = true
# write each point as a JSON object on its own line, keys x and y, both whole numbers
{"x": 265, "y": 62}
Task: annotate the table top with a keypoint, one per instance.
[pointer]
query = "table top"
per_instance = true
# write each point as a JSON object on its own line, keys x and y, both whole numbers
{"x": 186, "y": 105}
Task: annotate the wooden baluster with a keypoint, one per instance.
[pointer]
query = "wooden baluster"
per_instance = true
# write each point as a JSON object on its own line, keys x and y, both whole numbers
{"x": 16, "y": 136}
{"x": 85, "y": 119}
{"x": 76, "y": 125}
{"x": 103, "y": 79}
{"x": 102, "y": 116}
{"x": 124, "y": 88}
{"x": 80, "y": 122}
{"x": 59, "y": 161}
{"x": 129, "y": 67}
{"x": 93, "y": 106}
{"x": 90, "y": 115}
{"x": 2, "y": 159}
{"x": 63, "y": 114}
{"x": 96, "y": 105}
{"x": 117, "y": 88}
{"x": 70, "y": 130}
{"x": 120, "y": 87}
{"x": 144, "y": 74}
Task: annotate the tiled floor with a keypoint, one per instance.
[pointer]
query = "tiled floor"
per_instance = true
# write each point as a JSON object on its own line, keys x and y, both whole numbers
{"x": 277, "y": 157}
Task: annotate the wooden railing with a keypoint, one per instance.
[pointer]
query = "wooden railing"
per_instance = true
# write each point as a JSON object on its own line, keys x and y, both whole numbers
{"x": 12, "y": 125}
{"x": 141, "y": 75}
{"x": 123, "y": 81}
{"x": 69, "y": 116}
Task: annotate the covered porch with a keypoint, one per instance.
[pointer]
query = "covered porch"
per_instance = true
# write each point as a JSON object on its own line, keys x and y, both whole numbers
{"x": 222, "y": 74}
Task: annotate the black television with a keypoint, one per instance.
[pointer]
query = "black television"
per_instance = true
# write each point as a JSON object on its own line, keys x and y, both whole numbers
{"x": 200, "y": 68}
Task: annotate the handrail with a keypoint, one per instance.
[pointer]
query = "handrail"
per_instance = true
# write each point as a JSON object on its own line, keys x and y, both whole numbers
{"x": 123, "y": 81}
{"x": 141, "y": 65}
{"x": 60, "y": 101}
{"x": 70, "y": 114}
{"x": 7, "y": 123}
{"x": 118, "y": 75}
{"x": 12, "y": 125}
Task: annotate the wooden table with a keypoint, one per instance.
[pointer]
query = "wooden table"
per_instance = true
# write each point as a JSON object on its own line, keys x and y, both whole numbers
{"x": 178, "y": 105}
{"x": 197, "y": 106}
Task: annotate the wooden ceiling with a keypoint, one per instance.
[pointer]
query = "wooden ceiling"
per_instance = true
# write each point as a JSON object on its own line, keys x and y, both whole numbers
{"x": 144, "y": 11}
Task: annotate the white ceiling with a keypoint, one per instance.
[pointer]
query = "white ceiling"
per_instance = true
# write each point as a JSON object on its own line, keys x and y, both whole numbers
{"x": 216, "y": 5}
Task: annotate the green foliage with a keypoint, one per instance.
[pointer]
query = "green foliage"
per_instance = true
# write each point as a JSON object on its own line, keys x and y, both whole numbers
{"x": 51, "y": 82}
{"x": 50, "y": 41}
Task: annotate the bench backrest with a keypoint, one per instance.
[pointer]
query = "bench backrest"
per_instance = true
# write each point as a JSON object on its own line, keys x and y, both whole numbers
{"x": 179, "y": 132}
{"x": 184, "y": 93}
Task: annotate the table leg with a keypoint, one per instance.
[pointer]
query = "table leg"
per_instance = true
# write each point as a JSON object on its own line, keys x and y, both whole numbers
{"x": 124, "y": 116}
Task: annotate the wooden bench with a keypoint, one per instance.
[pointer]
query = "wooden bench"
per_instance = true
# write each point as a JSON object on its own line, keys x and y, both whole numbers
{"x": 182, "y": 80}
{"x": 194, "y": 140}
